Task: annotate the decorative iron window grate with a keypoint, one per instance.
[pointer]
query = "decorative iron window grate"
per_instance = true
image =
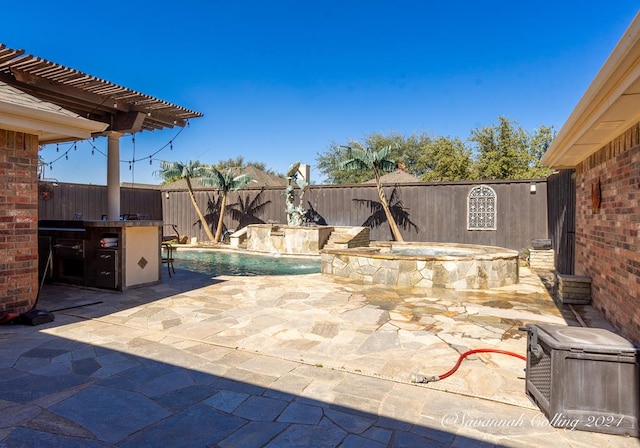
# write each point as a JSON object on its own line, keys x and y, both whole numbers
{"x": 481, "y": 208}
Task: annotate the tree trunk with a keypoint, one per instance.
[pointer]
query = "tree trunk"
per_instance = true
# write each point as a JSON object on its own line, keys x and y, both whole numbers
{"x": 223, "y": 205}
{"x": 203, "y": 221}
{"x": 395, "y": 231}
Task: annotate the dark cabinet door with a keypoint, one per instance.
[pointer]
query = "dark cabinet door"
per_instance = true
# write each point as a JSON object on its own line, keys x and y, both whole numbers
{"x": 107, "y": 268}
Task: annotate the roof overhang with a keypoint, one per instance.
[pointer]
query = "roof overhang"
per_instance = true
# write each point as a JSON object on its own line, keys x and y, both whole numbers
{"x": 610, "y": 106}
{"x": 49, "y": 126}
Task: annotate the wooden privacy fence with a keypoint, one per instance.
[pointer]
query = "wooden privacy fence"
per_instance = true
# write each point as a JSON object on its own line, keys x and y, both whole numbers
{"x": 66, "y": 201}
{"x": 562, "y": 222}
{"x": 439, "y": 210}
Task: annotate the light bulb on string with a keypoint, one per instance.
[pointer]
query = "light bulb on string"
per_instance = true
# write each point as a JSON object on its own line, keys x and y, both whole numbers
{"x": 129, "y": 166}
{"x": 57, "y": 148}
{"x": 75, "y": 146}
{"x": 66, "y": 156}
{"x": 171, "y": 145}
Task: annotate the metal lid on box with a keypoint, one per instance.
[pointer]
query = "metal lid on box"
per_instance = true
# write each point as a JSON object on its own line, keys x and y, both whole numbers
{"x": 592, "y": 340}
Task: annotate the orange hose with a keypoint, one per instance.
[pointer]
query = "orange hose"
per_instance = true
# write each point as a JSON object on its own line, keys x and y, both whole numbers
{"x": 464, "y": 355}
{"x": 8, "y": 318}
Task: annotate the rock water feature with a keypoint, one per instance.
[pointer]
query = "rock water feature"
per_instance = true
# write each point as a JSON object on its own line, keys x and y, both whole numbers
{"x": 295, "y": 213}
{"x": 287, "y": 240}
{"x": 428, "y": 265}
{"x": 301, "y": 235}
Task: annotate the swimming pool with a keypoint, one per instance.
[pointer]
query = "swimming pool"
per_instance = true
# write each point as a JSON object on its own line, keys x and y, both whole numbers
{"x": 222, "y": 262}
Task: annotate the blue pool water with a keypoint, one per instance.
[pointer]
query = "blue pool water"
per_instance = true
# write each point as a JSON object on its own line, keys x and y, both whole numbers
{"x": 218, "y": 262}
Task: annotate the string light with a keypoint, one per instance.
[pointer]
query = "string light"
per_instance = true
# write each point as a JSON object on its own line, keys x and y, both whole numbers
{"x": 94, "y": 148}
{"x": 133, "y": 142}
{"x": 130, "y": 162}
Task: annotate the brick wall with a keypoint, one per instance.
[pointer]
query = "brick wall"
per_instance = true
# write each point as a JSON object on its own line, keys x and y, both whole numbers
{"x": 18, "y": 221}
{"x": 608, "y": 236}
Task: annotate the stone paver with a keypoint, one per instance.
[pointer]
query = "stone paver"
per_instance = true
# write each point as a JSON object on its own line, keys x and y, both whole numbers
{"x": 308, "y": 361}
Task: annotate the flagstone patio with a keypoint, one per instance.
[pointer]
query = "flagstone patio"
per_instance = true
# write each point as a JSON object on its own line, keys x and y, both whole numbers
{"x": 277, "y": 361}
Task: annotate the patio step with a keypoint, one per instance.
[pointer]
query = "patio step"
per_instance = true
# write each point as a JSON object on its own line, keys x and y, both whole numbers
{"x": 346, "y": 237}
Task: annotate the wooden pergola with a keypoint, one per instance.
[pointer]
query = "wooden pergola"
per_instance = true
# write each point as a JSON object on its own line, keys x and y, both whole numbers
{"x": 124, "y": 110}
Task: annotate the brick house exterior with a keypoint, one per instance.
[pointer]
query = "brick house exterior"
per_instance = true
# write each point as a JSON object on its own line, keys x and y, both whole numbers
{"x": 607, "y": 235}
{"x": 18, "y": 221}
{"x": 25, "y": 123}
{"x": 601, "y": 141}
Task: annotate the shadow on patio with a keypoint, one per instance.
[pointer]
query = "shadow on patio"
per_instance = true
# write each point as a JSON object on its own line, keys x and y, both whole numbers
{"x": 61, "y": 392}
{"x": 271, "y": 361}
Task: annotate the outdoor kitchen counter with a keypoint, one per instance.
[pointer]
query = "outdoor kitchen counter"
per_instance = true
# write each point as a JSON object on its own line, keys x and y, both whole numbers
{"x": 104, "y": 254}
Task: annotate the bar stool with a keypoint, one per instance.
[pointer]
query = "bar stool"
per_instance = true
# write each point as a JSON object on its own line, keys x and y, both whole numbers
{"x": 168, "y": 259}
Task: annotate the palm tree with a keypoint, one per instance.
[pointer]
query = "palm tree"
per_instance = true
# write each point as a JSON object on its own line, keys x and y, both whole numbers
{"x": 224, "y": 183}
{"x": 378, "y": 217}
{"x": 246, "y": 211}
{"x": 191, "y": 170}
{"x": 369, "y": 158}
{"x": 212, "y": 214}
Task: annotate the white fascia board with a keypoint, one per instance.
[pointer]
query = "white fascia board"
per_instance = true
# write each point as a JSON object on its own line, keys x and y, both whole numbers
{"x": 40, "y": 122}
{"x": 618, "y": 73}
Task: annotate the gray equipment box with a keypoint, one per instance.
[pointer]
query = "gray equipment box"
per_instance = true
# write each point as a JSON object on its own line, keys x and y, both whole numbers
{"x": 584, "y": 378}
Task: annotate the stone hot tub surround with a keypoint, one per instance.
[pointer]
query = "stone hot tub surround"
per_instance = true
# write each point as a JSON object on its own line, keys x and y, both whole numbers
{"x": 429, "y": 265}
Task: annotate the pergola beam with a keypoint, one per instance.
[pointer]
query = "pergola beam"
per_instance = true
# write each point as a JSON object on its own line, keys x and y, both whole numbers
{"x": 123, "y": 109}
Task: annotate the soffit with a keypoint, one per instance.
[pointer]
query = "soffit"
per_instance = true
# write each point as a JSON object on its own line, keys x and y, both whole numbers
{"x": 607, "y": 109}
{"x": 22, "y": 112}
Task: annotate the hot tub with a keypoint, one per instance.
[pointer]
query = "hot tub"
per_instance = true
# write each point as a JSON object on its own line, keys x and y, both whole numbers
{"x": 429, "y": 265}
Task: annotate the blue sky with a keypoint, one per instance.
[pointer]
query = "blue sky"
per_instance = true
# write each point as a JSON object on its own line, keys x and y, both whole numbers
{"x": 279, "y": 81}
